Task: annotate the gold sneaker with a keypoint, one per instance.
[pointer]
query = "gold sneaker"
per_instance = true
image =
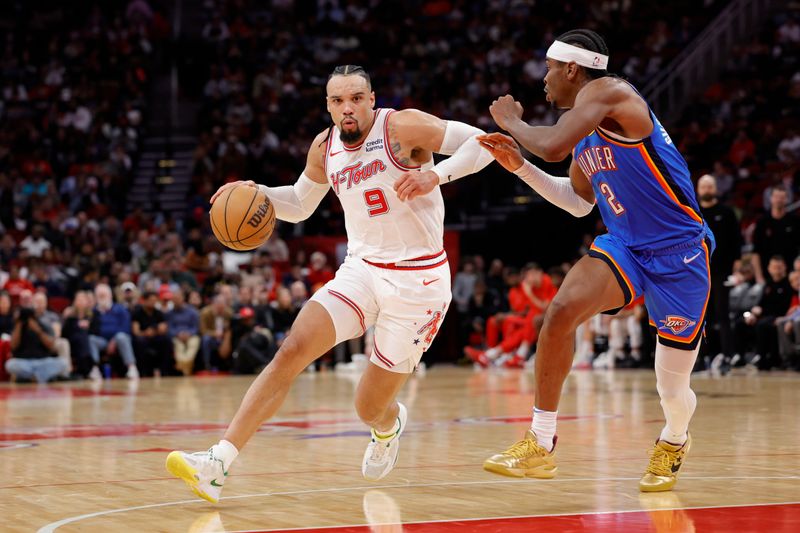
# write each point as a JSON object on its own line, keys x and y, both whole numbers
{"x": 665, "y": 461}
{"x": 526, "y": 458}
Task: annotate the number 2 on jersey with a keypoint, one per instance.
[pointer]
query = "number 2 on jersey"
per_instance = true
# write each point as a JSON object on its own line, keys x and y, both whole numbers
{"x": 611, "y": 199}
{"x": 376, "y": 202}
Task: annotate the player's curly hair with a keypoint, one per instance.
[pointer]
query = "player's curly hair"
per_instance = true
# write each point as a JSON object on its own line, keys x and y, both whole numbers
{"x": 589, "y": 40}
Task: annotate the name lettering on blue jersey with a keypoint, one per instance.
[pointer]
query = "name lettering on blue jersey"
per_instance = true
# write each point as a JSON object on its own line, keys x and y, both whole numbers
{"x": 664, "y": 134}
{"x": 596, "y": 159}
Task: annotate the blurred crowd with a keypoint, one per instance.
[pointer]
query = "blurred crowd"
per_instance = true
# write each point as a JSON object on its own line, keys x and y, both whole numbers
{"x": 89, "y": 290}
{"x": 263, "y": 94}
{"x": 180, "y": 316}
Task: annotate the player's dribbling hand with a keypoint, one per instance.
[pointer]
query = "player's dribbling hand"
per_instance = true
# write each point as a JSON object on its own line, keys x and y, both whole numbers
{"x": 504, "y": 149}
{"x": 248, "y": 183}
{"x": 505, "y": 110}
{"x": 415, "y": 183}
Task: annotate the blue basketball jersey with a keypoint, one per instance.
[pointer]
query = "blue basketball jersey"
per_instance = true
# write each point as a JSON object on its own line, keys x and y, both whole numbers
{"x": 643, "y": 188}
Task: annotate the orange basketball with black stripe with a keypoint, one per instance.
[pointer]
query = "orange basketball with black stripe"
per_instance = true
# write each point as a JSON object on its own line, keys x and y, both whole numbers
{"x": 242, "y": 218}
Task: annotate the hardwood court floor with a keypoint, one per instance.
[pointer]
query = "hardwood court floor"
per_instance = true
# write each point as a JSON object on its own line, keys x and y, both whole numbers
{"x": 74, "y": 458}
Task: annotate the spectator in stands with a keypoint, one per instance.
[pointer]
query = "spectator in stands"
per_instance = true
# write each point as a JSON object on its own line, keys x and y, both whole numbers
{"x": 16, "y": 284}
{"x": 152, "y": 346}
{"x": 464, "y": 285}
{"x": 262, "y": 308}
{"x": 77, "y": 322}
{"x": 196, "y": 299}
{"x": 759, "y": 321}
{"x": 111, "y": 330}
{"x": 495, "y": 279}
{"x": 6, "y": 327}
{"x": 776, "y": 233}
{"x": 215, "y": 331}
{"x": 254, "y": 346}
{"x": 184, "y": 329}
{"x": 178, "y": 276}
{"x": 50, "y": 319}
{"x": 244, "y": 298}
{"x": 216, "y": 31}
{"x": 528, "y": 302}
{"x": 725, "y": 226}
{"x": 299, "y": 293}
{"x": 789, "y": 328}
{"x": 742, "y": 150}
{"x": 165, "y": 295}
{"x": 482, "y": 305}
{"x": 33, "y": 354}
{"x": 35, "y": 243}
{"x": 789, "y": 147}
{"x": 745, "y": 292}
{"x": 6, "y": 314}
{"x": 128, "y": 295}
{"x": 284, "y": 311}
{"x": 319, "y": 273}
{"x": 276, "y": 248}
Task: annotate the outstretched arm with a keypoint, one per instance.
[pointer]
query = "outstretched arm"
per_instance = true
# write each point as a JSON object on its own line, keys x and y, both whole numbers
{"x": 554, "y": 143}
{"x": 573, "y": 194}
{"x": 295, "y": 203}
{"x": 416, "y": 135}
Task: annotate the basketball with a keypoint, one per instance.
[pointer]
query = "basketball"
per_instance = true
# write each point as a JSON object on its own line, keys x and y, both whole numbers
{"x": 242, "y": 218}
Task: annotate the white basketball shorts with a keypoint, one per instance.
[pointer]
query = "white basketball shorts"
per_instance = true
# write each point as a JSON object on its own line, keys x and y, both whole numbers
{"x": 405, "y": 301}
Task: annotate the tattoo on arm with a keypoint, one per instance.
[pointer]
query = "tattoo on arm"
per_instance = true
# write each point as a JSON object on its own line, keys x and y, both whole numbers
{"x": 396, "y": 148}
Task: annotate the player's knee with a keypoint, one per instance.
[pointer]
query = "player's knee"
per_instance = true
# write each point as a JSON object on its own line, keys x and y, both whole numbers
{"x": 673, "y": 392}
{"x": 290, "y": 356}
{"x": 560, "y": 319}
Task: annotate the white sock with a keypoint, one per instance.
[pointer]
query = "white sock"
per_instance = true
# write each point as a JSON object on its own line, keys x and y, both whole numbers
{"x": 523, "y": 349}
{"x": 672, "y": 438}
{"x": 389, "y": 435}
{"x": 587, "y": 348}
{"x": 226, "y": 451}
{"x": 492, "y": 353}
{"x": 544, "y": 426}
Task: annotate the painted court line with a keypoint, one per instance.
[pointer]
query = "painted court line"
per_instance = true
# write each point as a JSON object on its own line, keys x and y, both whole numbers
{"x": 49, "y": 528}
{"x": 546, "y": 515}
{"x": 351, "y": 469}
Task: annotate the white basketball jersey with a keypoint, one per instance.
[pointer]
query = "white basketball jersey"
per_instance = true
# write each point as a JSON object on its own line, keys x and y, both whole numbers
{"x": 379, "y": 226}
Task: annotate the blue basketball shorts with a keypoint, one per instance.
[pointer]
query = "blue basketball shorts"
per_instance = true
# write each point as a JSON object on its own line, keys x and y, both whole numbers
{"x": 675, "y": 283}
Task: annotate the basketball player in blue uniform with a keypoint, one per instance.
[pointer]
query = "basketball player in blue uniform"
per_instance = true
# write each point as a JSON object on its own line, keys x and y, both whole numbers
{"x": 657, "y": 243}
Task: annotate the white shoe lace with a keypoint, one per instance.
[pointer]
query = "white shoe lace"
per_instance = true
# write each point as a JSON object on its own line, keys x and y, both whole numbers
{"x": 379, "y": 450}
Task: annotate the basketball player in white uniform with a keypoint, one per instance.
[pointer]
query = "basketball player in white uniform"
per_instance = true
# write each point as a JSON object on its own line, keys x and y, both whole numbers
{"x": 395, "y": 277}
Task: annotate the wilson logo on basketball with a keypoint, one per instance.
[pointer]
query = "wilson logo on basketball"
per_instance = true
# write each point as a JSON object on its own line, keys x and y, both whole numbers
{"x": 676, "y": 324}
{"x": 356, "y": 173}
{"x": 258, "y": 216}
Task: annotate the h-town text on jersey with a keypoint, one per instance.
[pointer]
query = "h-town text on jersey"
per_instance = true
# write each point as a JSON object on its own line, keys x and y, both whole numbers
{"x": 356, "y": 173}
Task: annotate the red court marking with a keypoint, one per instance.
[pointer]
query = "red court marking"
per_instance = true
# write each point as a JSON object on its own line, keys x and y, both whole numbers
{"x": 148, "y": 450}
{"x": 50, "y": 393}
{"x": 84, "y": 431}
{"x": 317, "y": 412}
{"x": 128, "y": 430}
{"x": 784, "y": 518}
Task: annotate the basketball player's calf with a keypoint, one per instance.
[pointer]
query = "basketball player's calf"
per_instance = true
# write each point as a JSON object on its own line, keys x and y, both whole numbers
{"x": 377, "y": 408}
{"x": 204, "y": 472}
{"x": 588, "y": 289}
